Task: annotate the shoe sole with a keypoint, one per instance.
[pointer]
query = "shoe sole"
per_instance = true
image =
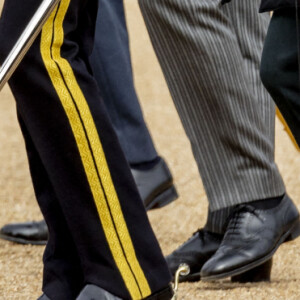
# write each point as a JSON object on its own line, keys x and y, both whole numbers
{"x": 163, "y": 199}
{"x": 290, "y": 235}
{"x": 190, "y": 278}
{"x": 22, "y": 241}
{"x": 249, "y": 278}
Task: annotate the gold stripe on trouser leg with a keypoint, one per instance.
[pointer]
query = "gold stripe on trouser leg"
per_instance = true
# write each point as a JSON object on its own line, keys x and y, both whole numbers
{"x": 118, "y": 238}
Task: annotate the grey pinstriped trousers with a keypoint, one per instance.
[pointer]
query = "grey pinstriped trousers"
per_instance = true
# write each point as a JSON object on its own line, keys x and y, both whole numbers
{"x": 210, "y": 57}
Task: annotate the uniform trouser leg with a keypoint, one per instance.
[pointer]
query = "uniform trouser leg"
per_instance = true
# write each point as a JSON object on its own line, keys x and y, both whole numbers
{"x": 95, "y": 196}
{"x": 228, "y": 122}
{"x": 61, "y": 258}
{"x": 280, "y": 68}
{"x": 111, "y": 64}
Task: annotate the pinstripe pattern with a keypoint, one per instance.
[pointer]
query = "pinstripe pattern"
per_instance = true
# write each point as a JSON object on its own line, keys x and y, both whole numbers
{"x": 210, "y": 58}
{"x": 216, "y": 220}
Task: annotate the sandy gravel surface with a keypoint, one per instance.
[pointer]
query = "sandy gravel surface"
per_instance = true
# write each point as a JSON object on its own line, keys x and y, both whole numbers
{"x": 20, "y": 266}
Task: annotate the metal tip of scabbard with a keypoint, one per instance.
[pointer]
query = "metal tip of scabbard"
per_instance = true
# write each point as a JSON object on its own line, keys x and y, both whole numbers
{"x": 183, "y": 270}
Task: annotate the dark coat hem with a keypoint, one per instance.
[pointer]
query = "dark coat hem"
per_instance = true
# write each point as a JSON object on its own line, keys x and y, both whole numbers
{"x": 269, "y": 5}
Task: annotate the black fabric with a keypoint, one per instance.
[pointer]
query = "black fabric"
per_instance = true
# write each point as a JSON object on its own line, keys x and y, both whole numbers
{"x": 280, "y": 68}
{"x": 111, "y": 64}
{"x": 165, "y": 294}
{"x": 225, "y": 1}
{"x": 269, "y": 5}
{"x": 266, "y": 203}
{"x": 77, "y": 251}
{"x": 60, "y": 257}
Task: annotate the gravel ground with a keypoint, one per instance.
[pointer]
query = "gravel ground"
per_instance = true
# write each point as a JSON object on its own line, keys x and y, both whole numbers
{"x": 21, "y": 267}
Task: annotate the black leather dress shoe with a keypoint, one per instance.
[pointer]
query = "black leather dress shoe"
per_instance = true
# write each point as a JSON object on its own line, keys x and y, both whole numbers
{"x": 155, "y": 185}
{"x": 251, "y": 238}
{"x": 194, "y": 252}
{"x": 93, "y": 292}
{"x": 199, "y": 249}
{"x": 34, "y": 233}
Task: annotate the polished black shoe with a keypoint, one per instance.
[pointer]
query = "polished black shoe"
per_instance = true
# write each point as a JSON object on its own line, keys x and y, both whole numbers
{"x": 194, "y": 252}
{"x": 199, "y": 249}
{"x": 93, "y": 292}
{"x": 155, "y": 185}
{"x": 251, "y": 238}
{"x": 34, "y": 233}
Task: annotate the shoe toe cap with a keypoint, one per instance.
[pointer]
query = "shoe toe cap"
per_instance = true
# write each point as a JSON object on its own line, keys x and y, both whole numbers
{"x": 223, "y": 263}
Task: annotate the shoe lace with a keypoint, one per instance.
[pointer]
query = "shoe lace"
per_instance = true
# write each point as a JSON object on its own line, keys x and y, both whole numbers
{"x": 234, "y": 220}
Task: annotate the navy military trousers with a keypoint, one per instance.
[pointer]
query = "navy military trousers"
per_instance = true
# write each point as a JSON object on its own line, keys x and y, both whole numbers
{"x": 111, "y": 64}
{"x": 99, "y": 231}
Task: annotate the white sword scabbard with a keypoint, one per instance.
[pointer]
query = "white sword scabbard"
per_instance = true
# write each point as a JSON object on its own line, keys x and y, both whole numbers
{"x": 26, "y": 40}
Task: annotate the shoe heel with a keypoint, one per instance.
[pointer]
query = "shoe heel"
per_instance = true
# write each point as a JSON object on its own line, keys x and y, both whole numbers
{"x": 164, "y": 198}
{"x": 258, "y": 274}
{"x": 295, "y": 232}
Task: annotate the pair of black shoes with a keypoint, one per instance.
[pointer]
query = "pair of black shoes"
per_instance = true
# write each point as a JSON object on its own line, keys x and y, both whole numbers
{"x": 93, "y": 292}
{"x": 199, "y": 249}
{"x": 245, "y": 251}
{"x": 155, "y": 186}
